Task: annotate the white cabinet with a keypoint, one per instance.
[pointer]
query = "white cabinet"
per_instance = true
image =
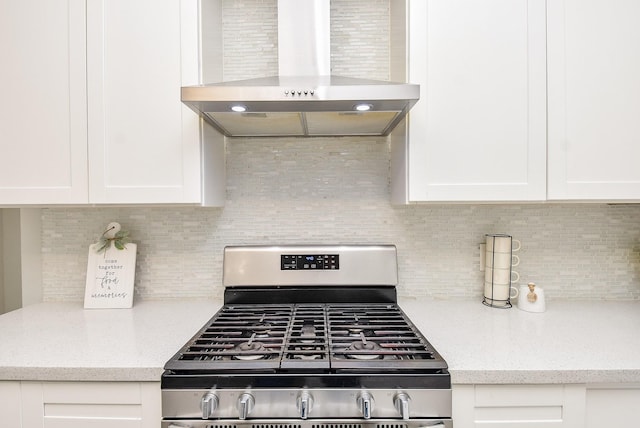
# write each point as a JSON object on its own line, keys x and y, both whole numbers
{"x": 91, "y": 109}
{"x": 613, "y": 406}
{"x": 144, "y": 144}
{"x": 526, "y": 406}
{"x": 10, "y": 404}
{"x": 43, "y": 107}
{"x": 594, "y": 99}
{"x": 478, "y": 132}
{"x": 90, "y": 405}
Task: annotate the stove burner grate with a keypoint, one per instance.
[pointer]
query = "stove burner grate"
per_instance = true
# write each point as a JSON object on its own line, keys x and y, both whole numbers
{"x": 308, "y": 337}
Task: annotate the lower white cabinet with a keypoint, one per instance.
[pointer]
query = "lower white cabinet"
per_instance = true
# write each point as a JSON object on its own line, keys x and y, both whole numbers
{"x": 10, "y": 404}
{"x": 613, "y": 406}
{"x": 544, "y": 406}
{"x": 526, "y": 406}
{"x": 88, "y": 404}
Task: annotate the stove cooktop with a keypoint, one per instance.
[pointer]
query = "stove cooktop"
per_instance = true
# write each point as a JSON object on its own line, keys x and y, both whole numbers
{"x": 308, "y": 338}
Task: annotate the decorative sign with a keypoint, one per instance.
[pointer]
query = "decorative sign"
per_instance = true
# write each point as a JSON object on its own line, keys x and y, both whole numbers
{"x": 111, "y": 270}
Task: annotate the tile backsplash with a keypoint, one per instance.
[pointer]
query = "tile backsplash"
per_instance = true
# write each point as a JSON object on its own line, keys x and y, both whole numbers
{"x": 336, "y": 190}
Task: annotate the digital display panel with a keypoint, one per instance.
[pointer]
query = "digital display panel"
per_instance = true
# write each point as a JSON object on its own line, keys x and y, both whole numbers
{"x": 309, "y": 262}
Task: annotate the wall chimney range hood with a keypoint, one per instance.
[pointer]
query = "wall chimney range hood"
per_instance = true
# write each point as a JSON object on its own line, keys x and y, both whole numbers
{"x": 304, "y": 99}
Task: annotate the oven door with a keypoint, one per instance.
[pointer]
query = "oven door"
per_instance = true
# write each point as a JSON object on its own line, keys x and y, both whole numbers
{"x": 308, "y": 423}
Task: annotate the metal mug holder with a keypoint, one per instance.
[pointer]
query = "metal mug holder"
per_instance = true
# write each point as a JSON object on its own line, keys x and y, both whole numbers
{"x": 490, "y": 301}
{"x": 506, "y": 305}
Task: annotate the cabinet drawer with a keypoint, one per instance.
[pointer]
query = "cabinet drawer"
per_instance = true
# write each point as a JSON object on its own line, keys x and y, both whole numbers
{"x": 91, "y": 404}
{"x": 92, "y": 392}
{"x": 527, "y": 406}
{"x": 519, "y": 395}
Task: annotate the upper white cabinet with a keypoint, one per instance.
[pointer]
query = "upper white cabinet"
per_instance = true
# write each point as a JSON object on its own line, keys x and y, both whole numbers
{"x": 43, "y": 107}
{"x": 144, "y": 144}
{"x": 594, "y": 99}
{"x": 91, "y": 109}
{"x": 478, "y": 132}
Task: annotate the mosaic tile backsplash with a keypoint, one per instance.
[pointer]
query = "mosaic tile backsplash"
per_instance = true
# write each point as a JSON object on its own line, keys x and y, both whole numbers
{"x": 336, "y": 190}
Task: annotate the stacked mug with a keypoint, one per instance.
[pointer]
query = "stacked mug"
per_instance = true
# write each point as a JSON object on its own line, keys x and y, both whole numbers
{"x": 498, "y": 270}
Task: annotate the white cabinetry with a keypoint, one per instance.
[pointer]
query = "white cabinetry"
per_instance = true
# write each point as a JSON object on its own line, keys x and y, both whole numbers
{"x": 90, "y": 404}
{"x": 144, "y": 144}
{"x": 91, "y": 110}
{"x": 594, "y": 99}
{"x": 10, "y": 404}
{"x": 613, "y": 406}
{"x": 526, "y": 406}
{"x": 478, "y": 132}
{"x": 43, "y": 107}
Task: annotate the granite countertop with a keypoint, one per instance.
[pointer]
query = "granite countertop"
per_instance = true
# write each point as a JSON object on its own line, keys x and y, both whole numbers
{"x": 572, "y": 342}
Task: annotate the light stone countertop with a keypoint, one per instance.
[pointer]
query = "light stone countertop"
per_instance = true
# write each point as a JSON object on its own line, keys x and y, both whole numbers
{"x": 573, "y": 342}
{"x": 64, "y": 341}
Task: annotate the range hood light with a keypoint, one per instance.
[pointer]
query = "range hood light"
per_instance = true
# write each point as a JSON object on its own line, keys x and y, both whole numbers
{"x": 362, "y": 107}
{"x": 238, "y": 108}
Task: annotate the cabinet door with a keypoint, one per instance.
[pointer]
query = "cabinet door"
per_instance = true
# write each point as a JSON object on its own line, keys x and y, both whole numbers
{"x": 478, "y": 132}
{"x": 594, "y": 99}
{"x": 43, "y": 115}
{"x": 613, "y": 406}
{"x": 144, "y": 144}
{"x": 10, "y": 404}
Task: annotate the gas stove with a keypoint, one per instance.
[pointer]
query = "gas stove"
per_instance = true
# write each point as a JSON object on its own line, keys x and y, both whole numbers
{"x": 309, "y": 336}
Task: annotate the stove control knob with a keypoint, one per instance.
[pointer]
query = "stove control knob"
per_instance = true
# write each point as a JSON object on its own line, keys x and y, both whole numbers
{"x": 208, "y": 404}
{"x": 401, "y": 402}
{"x": 304, "y": 403}
{"x": 245, "y": 405}
{"x": 365, "y": 402}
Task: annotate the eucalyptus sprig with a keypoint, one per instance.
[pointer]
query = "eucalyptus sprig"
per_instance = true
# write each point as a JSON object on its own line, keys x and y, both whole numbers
{"x": 120, "y": 240}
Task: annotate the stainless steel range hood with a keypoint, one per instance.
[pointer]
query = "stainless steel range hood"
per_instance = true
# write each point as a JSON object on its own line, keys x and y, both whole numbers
{"x": 304, "y": 100}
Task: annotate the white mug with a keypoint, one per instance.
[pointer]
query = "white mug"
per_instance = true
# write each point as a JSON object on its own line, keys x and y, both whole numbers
{"x": 499, "y": 294}
{"x": 501, "y": 276}
{"x": 501, "y": 260}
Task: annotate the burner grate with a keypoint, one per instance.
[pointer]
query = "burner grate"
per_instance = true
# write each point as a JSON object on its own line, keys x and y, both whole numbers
{"x": 374, "y": 336}
{"x": 308, "y": 338}
{"x": 241, "y": 334}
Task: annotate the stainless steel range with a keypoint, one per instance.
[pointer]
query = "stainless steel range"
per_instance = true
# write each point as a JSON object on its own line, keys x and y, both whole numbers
{"x": 308, "y": 337}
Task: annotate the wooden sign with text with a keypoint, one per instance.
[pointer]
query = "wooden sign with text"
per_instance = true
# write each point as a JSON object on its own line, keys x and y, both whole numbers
{"x": 110, "y": 276}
